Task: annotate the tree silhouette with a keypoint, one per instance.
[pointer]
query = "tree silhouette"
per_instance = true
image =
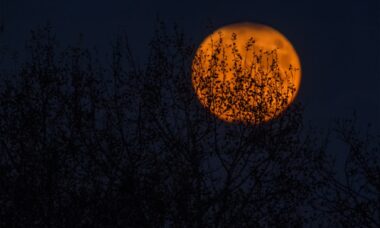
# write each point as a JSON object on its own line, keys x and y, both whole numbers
{"x": 238, "y": 166}
{"x": 88, "y": 142}
{"x": 245, "y": 85}
{"x": 349, "y": 196}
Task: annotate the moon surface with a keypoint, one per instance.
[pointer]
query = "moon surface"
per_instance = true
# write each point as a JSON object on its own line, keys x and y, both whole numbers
{"x": 246, "y": 72}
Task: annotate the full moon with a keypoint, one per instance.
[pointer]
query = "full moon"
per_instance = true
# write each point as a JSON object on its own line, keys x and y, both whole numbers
{"x": 246, "y": 72}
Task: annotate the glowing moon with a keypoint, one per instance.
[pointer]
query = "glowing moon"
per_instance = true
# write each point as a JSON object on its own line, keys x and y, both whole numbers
{"x": 246, "y": 73}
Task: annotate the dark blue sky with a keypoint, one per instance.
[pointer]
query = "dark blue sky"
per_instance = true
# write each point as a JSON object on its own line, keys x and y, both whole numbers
{"x": 338, "y": 41}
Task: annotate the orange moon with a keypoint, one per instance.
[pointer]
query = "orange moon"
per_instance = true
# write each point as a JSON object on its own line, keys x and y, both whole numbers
{"x": 246, "y": 72}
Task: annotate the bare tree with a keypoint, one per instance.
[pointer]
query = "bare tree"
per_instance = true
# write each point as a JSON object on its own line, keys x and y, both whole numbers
{"x": 224, "y": 174}
{"x": 86, "y": 141}
{"x": 349, "y": 196}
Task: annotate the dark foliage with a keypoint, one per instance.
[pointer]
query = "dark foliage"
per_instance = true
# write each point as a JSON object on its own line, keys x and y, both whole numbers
{"x": 89, "y": 144}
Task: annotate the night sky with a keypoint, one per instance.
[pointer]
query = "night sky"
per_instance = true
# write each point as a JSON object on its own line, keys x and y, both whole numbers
{"x": 88, "y": 140}
{"x": 338, "y": 41}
